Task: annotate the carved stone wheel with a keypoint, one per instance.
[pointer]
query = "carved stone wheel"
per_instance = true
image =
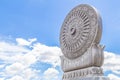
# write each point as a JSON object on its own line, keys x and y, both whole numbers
{"x": 81, "y": 27}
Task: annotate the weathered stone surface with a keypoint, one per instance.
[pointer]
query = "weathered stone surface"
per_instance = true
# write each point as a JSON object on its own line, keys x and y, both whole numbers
{"x": 86, "y": 72}
{"x": 80, "y": 29}
{"x": 94, "y": 56}
{"x": 79, "y": 39}
{"x": 90, "y": 78}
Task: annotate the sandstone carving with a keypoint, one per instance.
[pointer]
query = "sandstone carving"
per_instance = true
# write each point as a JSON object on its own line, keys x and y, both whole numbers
{"x": 79, "y": 40}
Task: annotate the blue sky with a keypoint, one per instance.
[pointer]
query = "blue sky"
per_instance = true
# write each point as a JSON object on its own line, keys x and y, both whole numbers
{"x": 42, "y": 19}
{"x": 30, "y": 25}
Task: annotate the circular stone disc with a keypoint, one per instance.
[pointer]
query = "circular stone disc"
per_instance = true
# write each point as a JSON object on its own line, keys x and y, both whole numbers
{"x": 81, "y": 27}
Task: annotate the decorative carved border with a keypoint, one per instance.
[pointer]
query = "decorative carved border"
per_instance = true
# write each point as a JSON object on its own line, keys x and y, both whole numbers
{"x": 86, "y": 72}
{"x": 81, "y": 27}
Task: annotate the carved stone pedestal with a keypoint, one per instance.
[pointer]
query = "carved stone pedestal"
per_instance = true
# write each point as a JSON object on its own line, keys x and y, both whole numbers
{"x": 90, "y": 78}
{"x": 91, "y": 73}
{"x": 92, "y": 57}
{"x": 79, "y": 40}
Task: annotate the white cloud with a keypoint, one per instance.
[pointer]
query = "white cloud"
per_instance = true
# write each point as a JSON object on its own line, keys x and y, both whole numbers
{"x": 1, "y": 66}
{"x": 112, "y": 63}
{"x": 47, "y": 54}
{"x": 17, "y": 60}
{"x": 23, "y": 42}
{"x": 113, "y": 77}
{"x": 29, "y": 73}
{"x": 51, "y": 74}
{"x": 16, "y": 78}
{"x": 1, "y": 78}
{"x": 10, "y": 48}
{"x": 14, "y": 68}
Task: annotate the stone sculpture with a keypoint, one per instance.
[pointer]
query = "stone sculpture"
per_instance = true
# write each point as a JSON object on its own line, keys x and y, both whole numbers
{"x": 79, "y": 40}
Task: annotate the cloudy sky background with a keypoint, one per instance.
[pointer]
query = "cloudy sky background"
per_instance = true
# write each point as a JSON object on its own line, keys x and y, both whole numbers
{"x": 29, "y": 37}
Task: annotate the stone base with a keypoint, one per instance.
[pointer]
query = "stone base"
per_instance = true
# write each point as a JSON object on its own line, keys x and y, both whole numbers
{"x": 86, "y": 72}
{"x": 92, "y": 57}
{"x": 90, "y": 78}
{"x": 90, "y": 73}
